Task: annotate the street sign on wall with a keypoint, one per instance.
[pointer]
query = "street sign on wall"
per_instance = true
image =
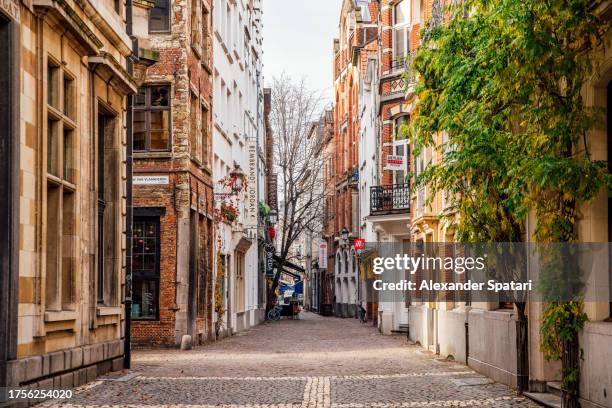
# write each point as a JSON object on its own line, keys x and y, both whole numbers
{"x": 150, "y": 180}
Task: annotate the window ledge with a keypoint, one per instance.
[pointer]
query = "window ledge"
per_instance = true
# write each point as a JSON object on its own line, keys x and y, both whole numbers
{"x": 153, "y": 155}
{"x": 60, "y": 316}
{"x": 108, "y": 311}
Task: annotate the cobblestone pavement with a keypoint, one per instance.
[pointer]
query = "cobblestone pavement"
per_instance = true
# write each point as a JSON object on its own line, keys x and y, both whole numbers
{"x": 314, "y": 362}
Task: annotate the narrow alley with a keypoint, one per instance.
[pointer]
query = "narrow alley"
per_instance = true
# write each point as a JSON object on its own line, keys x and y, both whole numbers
{"x": 311, "y": 362}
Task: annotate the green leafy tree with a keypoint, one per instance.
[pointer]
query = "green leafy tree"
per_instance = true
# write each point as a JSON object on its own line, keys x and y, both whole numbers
{"x": 503, "y": 80}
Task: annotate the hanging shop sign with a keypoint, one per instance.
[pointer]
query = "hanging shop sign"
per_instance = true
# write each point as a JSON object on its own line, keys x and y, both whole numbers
{"x": 251, "y": 191}
{"x": 323, "y": 255}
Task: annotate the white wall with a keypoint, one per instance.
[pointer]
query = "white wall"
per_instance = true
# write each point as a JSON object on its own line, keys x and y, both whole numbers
{"x": 238, "y": 117}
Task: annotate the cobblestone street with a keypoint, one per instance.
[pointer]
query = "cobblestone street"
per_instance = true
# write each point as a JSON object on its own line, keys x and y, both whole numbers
{"x": 314, "y": 362}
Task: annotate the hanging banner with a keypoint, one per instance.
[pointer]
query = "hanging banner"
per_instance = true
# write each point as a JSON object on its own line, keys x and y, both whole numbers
{"x": 323, "y": 255}
{"x": 251, "y": 203}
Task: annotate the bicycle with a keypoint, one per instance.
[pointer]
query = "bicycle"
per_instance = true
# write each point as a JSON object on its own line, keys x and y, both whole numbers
{"x": 274, "y": 314}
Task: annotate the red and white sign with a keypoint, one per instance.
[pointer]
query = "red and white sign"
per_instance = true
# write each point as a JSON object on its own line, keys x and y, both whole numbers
{"x": 359, "y": 244}
{"x": 395, "y": 162}
{"x": 323, "y": 255}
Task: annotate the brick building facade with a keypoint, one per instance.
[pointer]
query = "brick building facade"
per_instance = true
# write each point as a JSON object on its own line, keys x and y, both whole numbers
{"x": 172, "y": 251}
{"x": 357, "y": 29}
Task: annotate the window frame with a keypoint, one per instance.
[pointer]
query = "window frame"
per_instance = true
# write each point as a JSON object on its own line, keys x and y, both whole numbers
{"x": 59, "y": 177}
{"x": 147, "y": 108}
{"x": 141, "y": 275}
{"x": 166, "y": 30}
{"x": 404, "y": 29}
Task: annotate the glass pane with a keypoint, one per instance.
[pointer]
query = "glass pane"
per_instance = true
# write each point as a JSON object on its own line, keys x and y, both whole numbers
{"x": 137, "y": 245}
{"x": 159, "y": 139}
{"x": 148, "y": 263}
{"x": 160, "y": 95}
{"x": 67, "y": 153}
{"x": 68, "y": 97}
{"x": 402, "y": 12}
{"x": 53, "y": 276}
{"x": 139, "y": 130}
{"x": 52, "y": 147}
{"x": 68, "y": 251}
{"x": 159, "y": 16}
{"x": 145, "y": 299}
{"x": 52, "y": 86}
{"x": 160, "y": 120}
{"x": 399, "y": 46}
{"x": 141, "y": 97}
{"x": 137, "y": 262}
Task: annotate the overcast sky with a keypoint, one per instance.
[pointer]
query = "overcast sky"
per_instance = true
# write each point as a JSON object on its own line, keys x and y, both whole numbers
{"x": 298, "y": 39}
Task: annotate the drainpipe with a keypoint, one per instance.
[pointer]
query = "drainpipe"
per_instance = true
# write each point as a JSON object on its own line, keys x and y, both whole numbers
{"x": 127, "y": 352}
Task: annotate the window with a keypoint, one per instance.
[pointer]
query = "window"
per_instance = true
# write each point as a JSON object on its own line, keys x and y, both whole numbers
{"x": 159, "y": 17}
{"x": 239, "y": 281}
{"x": 400, "y": 148}
{"x": 107, "y": 164}
{"x": 205, "y": 134}
{"x": 205, "y": 34}
{"x": 194, "y": 131}
{"x": 152, "y": 119}
{"x": 401, "y": 32}
{"x": 195, "y": 29}
{"x": 60, "y": 190}
{"x": 52, "y": 83}
{"x": 145, "y": 268}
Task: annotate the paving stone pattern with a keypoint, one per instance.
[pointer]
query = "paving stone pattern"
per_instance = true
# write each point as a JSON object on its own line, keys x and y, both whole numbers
{"x": 314, "y": 362}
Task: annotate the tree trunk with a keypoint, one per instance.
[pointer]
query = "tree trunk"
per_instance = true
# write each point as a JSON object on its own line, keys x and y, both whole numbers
{"x": 522, "y": 349}
{"x": 571, "y": 363}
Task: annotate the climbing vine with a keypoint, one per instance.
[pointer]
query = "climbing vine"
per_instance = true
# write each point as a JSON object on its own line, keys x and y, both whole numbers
{"x": 503, "y": 81}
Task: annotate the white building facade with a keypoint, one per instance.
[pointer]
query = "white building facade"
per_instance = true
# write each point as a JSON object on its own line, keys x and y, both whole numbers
{"x": 238, "y": 134}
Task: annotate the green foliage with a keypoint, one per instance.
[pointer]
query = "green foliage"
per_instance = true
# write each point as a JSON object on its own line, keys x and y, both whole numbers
{"x": 561, "y": 323}
{"x": 500, "y": 101}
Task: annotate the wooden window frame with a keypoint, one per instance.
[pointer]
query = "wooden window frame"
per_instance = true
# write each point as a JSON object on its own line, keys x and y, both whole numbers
{"x": 166, "y": 30}
{"x": 147, "y": 108}
{"x": 140, "y": 275}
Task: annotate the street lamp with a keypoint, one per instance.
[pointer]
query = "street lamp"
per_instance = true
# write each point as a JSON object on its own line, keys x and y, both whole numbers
{"x": 345, "y": 235}
{"x": 273, "y": 217}
{"x": 236, "y": 177}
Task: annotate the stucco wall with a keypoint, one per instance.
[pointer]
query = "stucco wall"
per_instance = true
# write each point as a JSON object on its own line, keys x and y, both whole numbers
{"x": 451, "y": 333}
{"x": 492, "y": 344}
{"x": 596, "y": 375}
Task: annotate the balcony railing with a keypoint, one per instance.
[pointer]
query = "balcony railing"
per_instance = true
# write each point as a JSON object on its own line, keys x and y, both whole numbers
{"x": 389, "y": 199}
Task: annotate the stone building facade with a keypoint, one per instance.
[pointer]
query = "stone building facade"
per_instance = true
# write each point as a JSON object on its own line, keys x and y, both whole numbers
{"x": 173, "y": 227}
{"x": 64, "y": 64}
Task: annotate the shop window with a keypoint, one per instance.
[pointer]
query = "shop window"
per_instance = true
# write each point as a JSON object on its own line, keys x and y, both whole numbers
{"x": 145, "y": 268}
{"x": 60, "y": 188}
{"x": 152, "y": 119}
{"x": 159, "y": 17}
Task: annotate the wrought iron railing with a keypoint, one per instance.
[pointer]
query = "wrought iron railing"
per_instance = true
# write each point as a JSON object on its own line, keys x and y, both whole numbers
{"x": 390, "y": 199}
